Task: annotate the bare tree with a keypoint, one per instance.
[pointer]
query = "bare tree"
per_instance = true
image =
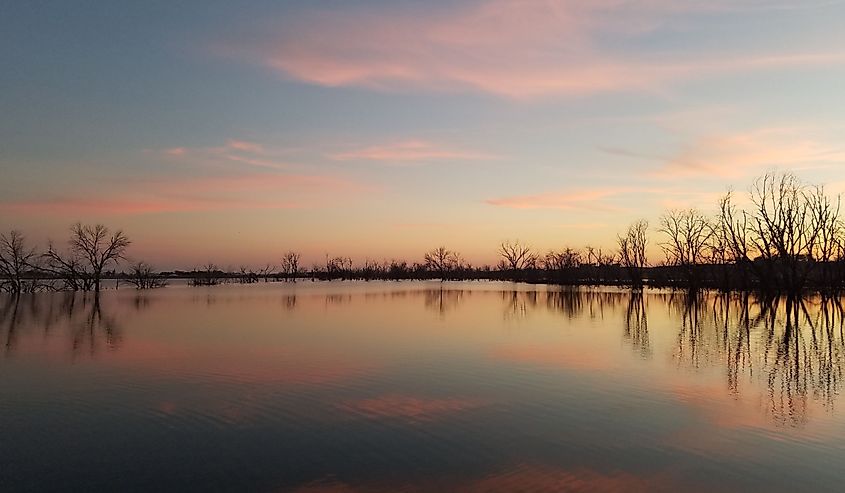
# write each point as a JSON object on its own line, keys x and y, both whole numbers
{"x": 632, "y": 250}
{"x": 567, "y": 258}
{"x": 266, "y": 271}
{"x": 143, "y": 276}
{"x": 247, "y": 276}
{"x": 733, "y": 231}
{"x": 207, "y": 275}
{"x": 16, "y": 261}
{"x": 442, "y": 261}
{"x": 290, "y": 264}
{"x": 68, "y": 268}
{"x": 339, "y": 266}
{"x": 97, "y": 248}
{"x": 688, "y": 235}
{"x": 516, "y": 256}
{"x": 592, "y": 255}
{"x": 783, "y": 231}
{"x": 827, "y": 248}
{"x": 790, "y": 229}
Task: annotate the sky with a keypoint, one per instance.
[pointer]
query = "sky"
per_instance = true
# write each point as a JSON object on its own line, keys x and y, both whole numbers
{"x": 231, "y": 132}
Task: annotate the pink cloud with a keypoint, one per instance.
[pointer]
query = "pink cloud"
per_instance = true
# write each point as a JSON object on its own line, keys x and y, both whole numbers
{"x": 128, "y": 205}
{"x": 740, "y": 154}
{"x": 510, "y": 48}
{"x": 243, "y": 145}
{"x": 233, "y": 152}
{"x": 175, "y": 151}
{"x": 241, "y": 192}
{"x": 409, "y": 150}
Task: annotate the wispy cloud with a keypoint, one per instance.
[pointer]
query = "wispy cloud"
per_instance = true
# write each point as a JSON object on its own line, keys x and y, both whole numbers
{"x": 409, "y": 151}
{"x": 610, "y": 199}
{"x": 584, "y": 199}
{"x": 742, "y": 154}
{"x": 235, "y": 152}
{"x": 510, "y": 48}
{"x": 241, "y": 192}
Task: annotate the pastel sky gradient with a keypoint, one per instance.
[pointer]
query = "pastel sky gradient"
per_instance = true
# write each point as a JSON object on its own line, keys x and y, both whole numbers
{"x": 211, "y": 131}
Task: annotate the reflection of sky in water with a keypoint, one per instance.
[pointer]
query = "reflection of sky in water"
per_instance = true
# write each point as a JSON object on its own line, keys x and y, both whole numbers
{"x": 407, "y": 386}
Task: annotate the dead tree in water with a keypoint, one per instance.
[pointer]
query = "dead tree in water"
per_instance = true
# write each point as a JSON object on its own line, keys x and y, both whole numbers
{"x": 442, "y": 261}
{"x": 208, "y": 275}
{"x": 143, "y": 276}
{"x": 782, "y": 231}
{"x": 91, "y": 250}
{"x": 97, "y": 248}
{"x": 827, "y": 251}
{"x": 16, "y": 261}
{"x": 688, "y": 235}
{"x": 339, "y": 267}
{"x": 562, "y": 266}
{"x": 516, "y": 256}
{"x": 290, "y": 265}
{"x": 790, "y": 230}
{"x": 68, "y": 268}
{"x": 246, "y": 275}
{"x": 266, "y": 271}
{"x": 733, "y": 231}
{"x": 632, "y": 251}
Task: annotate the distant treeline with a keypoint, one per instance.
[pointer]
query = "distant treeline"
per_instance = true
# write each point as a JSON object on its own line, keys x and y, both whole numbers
{"x": 789, "y": 238}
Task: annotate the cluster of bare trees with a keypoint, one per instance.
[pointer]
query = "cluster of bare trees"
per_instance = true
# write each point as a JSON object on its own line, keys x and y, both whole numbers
{"x": 443, "y": 261}
{"x": 207, "y": 275}
{"x": 290, "y": 264}
{"x": 789, "y": 237}
{"x": 143, "y": 276}
{"x": 90, "y": 250}
{"x": 632, "y": 251}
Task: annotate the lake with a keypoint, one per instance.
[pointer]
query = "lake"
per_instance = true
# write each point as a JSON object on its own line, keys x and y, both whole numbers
{"x": 420, "y": 386}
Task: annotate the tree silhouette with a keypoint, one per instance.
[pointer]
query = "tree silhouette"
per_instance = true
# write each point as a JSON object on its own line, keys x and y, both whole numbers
{"x": 632, "y": 251}
{"x": 96, "y": 248}
{"x": 516, "y": 256}
{"x": 442, "y": 261}
{"x": 16, "y": 259}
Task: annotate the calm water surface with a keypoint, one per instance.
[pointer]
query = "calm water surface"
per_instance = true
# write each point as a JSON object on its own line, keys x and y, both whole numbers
{"x": 420, "y": 387}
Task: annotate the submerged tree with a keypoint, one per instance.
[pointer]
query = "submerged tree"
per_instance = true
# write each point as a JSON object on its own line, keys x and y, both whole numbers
{"x": 93, "y": 248}
{"x": 516, "y": 256}
{"x": 688, "y": 235}
{"x": 68, "y": 268}
{"x": 207, "y": 275}
{"x": 632, "y": 251}
{"x": 789, "y": 230}
{"x": 290, "y": 264}
{"x": 442, "y": 261}
{"x": 16, "y": 262}
{"x": 144, "y": 276}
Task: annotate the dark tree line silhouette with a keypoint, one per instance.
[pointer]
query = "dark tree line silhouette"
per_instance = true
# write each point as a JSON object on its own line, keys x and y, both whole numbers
{"x": 789, "y": 237}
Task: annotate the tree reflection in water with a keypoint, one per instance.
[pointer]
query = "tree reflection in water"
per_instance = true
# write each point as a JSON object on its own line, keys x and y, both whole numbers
{"x": 636, "y": 324}
{"x": 442, "y": 300}
{"x": 793, "y": 345}
{"x": 81, "y": 316}
{"x": 792, "y": 348}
